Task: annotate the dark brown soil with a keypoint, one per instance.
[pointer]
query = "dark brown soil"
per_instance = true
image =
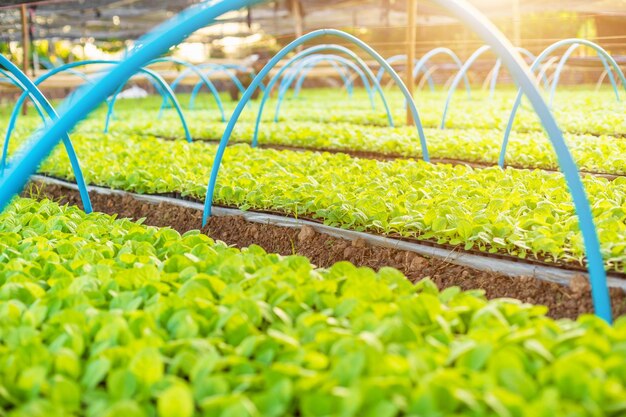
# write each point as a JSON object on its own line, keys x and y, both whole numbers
{"x": 324, "y": 251}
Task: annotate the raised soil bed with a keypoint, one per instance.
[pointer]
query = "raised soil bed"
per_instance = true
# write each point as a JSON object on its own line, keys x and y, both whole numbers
{"x": 323, "y": 250}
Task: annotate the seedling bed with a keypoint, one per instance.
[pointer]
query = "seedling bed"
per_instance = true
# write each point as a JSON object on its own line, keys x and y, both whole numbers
{"x": 324, "y": 251}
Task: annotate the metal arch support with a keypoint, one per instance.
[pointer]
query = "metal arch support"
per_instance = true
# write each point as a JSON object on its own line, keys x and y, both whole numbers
{"x": 495, "y": 72}
{"x": 307, "y": 54}
{"x": 431, "y": 70}
{"x": 199, "y": 73}
{"x": 403, "y": 58}
{"x": 307, "y": 65}
{"x": 271, "y": 64}
{"x": 303, "y": 54}
{"x": 601, "y": 80}
{"x": 168, "y": 92}
{"x": 602, "y": 54}
{"x": 457, "y": 79}
{"x": 214, "y": 68}
{"x": 40, "y": 112}
{"x": 200, "y": 84}
{"x": 198, "y": 87}
{"x": 518, "y": 68}
{"x": 439, "y": 51}
{"x": 547, "y": 52}
{"x": 335, "y": 59}
{"x": 64, "y": 68}
{"x": 31, "y": 90}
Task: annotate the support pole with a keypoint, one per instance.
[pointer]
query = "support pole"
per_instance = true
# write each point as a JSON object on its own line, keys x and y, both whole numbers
{"x": 298, "y": 20}
{"x": 25, "y": 47}
{"x": 517, "y": 24}
{"x": 411, "y": 35}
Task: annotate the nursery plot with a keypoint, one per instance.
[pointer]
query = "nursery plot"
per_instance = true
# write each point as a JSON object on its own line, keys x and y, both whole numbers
{"x": 596, "y": 154}
{"x": 109, "y": 317}
{"x": 563, "y": 301}
{"x": 577, "y": 110}
{"x": 519, "y": 213}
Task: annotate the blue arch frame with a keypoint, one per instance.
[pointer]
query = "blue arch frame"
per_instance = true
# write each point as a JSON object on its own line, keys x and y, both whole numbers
{"x": 439, "y": 51}
{"x": 463, "y": 71}
{"x": 67, "y": 67}
{"x": 307, "y": 64}
{"x": 305, "y": 67}
{"x": 217, "y": 68}
{"x": 155, "y": 43}
{"x": 498, "y": 65}
{"x": 168, "y": 93}
{"x": 81, "y": 75}
{"x": 455, "y": 82}
{"x": 271, "y": 64}
{"x": 9, "y": 78}
{"x": 403, "y": 58}
{"x": 199, "y": 73}
{"x": 305, "y": 53}
{"x": 46, "y": 63}
{"x": 198, "y": 87}
{"x": 213, "y": 69}
{"x": 177, "y": 29}
{"x": 302, "y": 61}
{"x": 31, "y": 90}
{"x": 5, "y": 146}
{"x": 605, "y": 64}
{"x": 546, "y": 52}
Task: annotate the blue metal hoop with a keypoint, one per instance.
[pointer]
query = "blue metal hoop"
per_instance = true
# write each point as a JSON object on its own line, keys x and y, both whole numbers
{"x": 602, "y": 54}
{"x": 27, "y": 85}
{"x": 310, "y": 52}
{"x": 546, "y": 52}
{"x": 271, "y": 64}
{"x": 445, "y": 51}
{"x": 305, "y": 66}
{"x": 198, "y": 72}
{"x": 288, "y": 80}
{"x": 403, "y": 58}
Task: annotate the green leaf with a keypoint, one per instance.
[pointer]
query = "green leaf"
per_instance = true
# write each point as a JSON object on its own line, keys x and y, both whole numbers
{"x": 175, "y": 401}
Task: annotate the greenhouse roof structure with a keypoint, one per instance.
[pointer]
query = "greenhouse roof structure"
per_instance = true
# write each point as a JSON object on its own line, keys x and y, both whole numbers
{"x": 129, "y": 19}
